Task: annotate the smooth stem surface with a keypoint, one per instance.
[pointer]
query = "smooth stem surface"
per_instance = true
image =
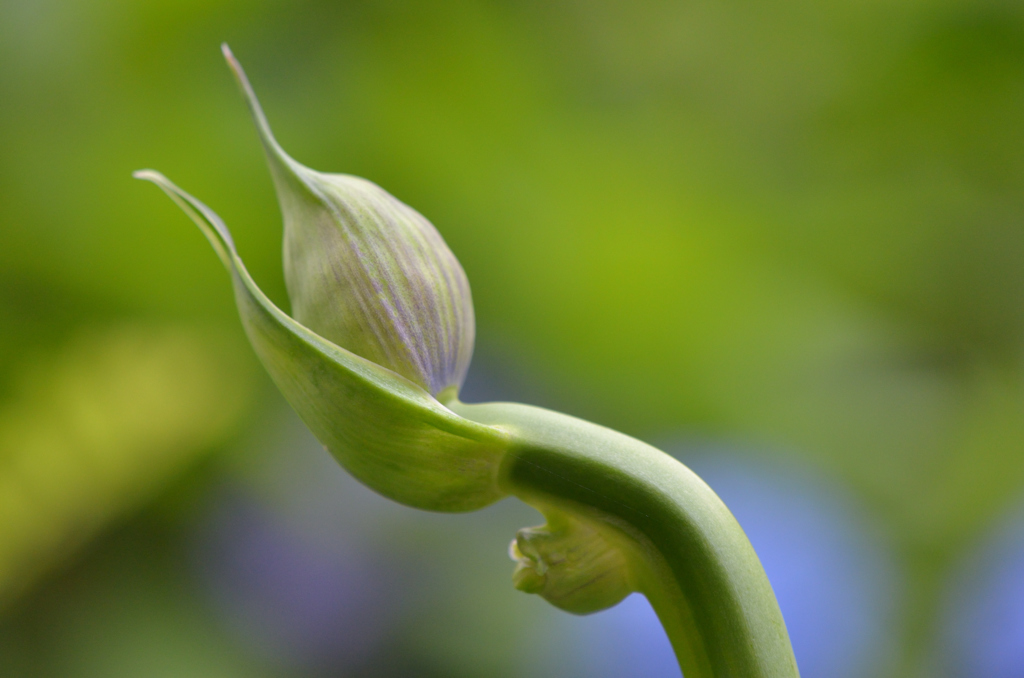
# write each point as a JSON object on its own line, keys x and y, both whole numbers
{"x": 686, "y": 551}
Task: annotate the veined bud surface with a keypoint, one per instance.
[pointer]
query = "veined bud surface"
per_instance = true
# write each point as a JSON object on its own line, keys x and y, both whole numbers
{"x": 368, "y": 272}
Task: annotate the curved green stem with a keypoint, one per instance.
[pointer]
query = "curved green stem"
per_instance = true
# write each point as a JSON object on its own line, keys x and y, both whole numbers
{"x": 622, "y": 515}
{"x": 682, "y": 547}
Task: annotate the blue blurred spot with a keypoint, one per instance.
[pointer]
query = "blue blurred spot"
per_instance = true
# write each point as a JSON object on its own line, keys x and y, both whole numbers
{"x": 296, "y": 603}
{"x": 625, "y": 641}
{"x": 986, "y": 632}
{"x": 833, "y": 580}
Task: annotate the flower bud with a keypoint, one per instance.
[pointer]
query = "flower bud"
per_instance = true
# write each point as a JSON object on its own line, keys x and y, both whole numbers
{"x": 383, "y": 326}
{"x": 368, "y": 272}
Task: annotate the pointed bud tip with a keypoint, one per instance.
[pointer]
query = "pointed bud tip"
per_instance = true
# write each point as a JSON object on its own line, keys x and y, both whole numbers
{"x": 229, "y": 57}
{"x": 279, "y": 161}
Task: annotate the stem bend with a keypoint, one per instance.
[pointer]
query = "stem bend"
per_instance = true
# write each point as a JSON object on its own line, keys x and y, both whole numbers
{"x": 682, "y": 547}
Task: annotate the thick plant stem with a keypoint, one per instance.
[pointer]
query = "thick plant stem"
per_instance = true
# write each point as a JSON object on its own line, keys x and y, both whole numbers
{"x": 683, "y": 548}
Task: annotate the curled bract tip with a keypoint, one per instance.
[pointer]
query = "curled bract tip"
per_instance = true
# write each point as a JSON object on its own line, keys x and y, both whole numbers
{"x": 209, "y": 223}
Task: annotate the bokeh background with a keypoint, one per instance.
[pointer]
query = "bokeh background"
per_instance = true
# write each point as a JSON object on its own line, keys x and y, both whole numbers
{"x": 782, "y": 241}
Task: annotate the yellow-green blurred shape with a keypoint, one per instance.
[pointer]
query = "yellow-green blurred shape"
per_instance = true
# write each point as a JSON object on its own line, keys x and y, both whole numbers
{"x": 99, "y": 428}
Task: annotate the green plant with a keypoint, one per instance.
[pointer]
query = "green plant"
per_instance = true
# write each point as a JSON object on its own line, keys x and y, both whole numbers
{"x": 372, "y": 362}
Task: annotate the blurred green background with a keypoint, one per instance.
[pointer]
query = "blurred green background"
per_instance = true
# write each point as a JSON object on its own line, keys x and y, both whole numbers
{"x": 789, "y": 235}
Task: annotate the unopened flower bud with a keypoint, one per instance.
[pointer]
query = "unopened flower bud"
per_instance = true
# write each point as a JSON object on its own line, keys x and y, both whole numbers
{"x": 381, "y": 332}
{"x": 368, "y": 272}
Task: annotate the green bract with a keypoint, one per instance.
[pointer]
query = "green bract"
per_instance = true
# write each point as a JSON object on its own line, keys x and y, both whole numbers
{"x": 372, "y": 362}
{"x": 385, "y": 429}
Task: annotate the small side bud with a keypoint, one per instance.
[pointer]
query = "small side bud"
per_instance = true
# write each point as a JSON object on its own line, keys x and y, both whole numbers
{"x": 530, "y": 575}
{"x": 571, "y": 564}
